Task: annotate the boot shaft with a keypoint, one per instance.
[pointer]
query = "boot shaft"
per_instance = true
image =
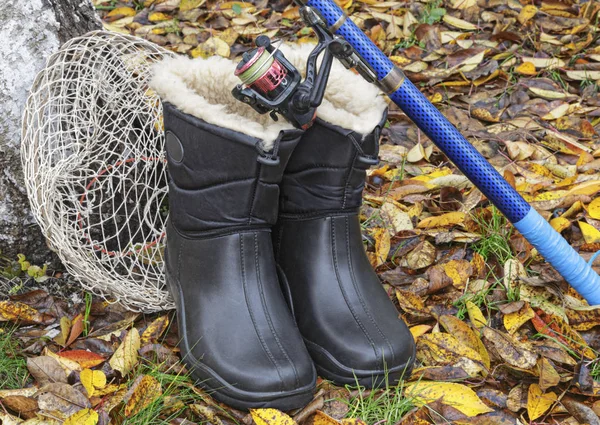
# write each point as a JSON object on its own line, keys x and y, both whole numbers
{"x": 327, "y": 170}
{"x": 221, "y": 179}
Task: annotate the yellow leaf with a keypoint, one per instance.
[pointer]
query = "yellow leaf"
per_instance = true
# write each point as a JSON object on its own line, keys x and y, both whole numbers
{"x": 466, "y": 335}
{"x": 419, "y": 330}
{"x": 92, "y": 380}
{"x": 526, "y": 68}
{"x": 125, "y": 356}
{"x": 212, "y": 46}
{"x": 382, "y": 245}
{"x": 458, "y": 396}
{"x": 83, "y": 417}
{"x": 65, "y": 327}
{"x": 271, "y": 417}
{"x": 586, "y": 188}
{"x": 321, "y": 418}
{"x": 120, "y": 12}
{"x": 557, "y": 112}
{"x": 513, "y": 321}
{"x": 549, "y": 377}
{"x": 448, "y": 219}
{"x": 158, "y": 17}
{"x": 395, "y": 219}
{"x": 459, "y": 23}
{"x": 459, "y": 271}
{"x": 154, "y": 329}
{"x": 443, "y": 349}
{"x": 527, "y": 13}
{"x": 560, "y": 223}
{"x": 537, "y": 402}
{"x": 590, "y": 233}
{"x": 189, "y": 4}
{"x": 147, "y": 390}
{"x": 475, "y": 315}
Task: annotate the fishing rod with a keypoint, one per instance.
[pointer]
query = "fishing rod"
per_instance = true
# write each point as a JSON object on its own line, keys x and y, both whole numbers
{"x": 271, "y": 84}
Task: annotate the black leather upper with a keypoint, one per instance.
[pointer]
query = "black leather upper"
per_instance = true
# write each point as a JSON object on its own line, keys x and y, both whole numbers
{"x": 237, "y": 334}
{"x": 327, "y": 170}
{"x": 220, "y": 184}
{"x": 350, "y": 326}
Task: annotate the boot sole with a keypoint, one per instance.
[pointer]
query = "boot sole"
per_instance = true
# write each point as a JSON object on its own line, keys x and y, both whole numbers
{"x": 228, "y": 393}
{"x": 342, "y": 375}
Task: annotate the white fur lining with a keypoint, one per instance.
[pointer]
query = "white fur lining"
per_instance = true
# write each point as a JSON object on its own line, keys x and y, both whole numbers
{"x": 202, "y": 88}
{"x": 350, "y": 101}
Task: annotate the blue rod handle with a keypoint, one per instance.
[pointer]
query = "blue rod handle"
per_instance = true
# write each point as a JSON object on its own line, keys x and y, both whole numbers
{"x": 432, "y": 122}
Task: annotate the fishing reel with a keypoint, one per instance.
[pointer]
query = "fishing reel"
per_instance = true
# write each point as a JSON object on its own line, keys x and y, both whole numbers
{"x": 271, "y": 84}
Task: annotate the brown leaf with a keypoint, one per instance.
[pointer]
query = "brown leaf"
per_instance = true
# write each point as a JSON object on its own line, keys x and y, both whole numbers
{"x": 46, "y": 370}
{"x": 62, "y": 397}
{"x": 25, "y": 407}
{"x": 513, "y": 352}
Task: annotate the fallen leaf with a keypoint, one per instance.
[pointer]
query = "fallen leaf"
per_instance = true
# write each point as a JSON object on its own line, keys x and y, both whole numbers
{"x": 475, "y": 315}
{"x": 527, "y": 13}
{"x": 86, "y": 359}
{"x": 382, "y": 245}
{"x": 448, "y": 219}
{"x": 46, "y": 370}
{"x": 513, "y": 321}
{"x": 512, "y": 351}
{"x": 126, "y": 355}
{"x": 82, "y": 417}
{"x": 270, "y": 417}
{"x": 62, "y": 397}
{"x": 549, "y": 377}
{"x": 145, "y": 392}
{"x": 19, "y": 312}
{"x": 538, "y": 402}
{"x": 92, "y": 380}
{"x": 155, "y": 330}
{"x": 466, "y": 335}
{"x": 458, "y": 396}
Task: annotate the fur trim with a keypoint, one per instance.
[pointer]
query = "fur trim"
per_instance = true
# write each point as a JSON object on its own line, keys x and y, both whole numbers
{"x": 202, "y": 88}
{"x": 350, "y": 102}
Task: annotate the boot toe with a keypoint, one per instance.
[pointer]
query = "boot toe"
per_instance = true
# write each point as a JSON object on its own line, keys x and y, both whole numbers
{"x": 256, "y": 385}
{"x": 368, "y": 361}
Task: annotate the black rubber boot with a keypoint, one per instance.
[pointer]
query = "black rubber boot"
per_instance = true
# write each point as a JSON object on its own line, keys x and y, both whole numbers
{"x": 351, "y": 328}
{"x": 237, "y": 334}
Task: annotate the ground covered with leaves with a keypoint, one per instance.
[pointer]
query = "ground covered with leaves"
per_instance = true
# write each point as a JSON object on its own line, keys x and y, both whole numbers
{"x": 501, "y": 339}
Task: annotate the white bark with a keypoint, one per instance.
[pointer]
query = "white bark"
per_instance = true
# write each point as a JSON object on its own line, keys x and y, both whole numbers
{"x": 31, "y": 30}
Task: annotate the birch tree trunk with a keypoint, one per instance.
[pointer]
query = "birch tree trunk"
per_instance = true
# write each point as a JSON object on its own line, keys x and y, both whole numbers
{"x": 31, "y": 30}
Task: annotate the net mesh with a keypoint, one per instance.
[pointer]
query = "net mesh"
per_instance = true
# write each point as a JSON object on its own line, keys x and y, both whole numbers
{"x": 94, "y": 164}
